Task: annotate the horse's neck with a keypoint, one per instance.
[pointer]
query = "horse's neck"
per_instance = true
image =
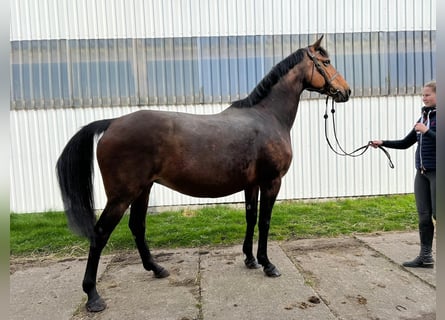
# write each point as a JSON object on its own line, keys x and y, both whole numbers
{"x": 282, "y": 102}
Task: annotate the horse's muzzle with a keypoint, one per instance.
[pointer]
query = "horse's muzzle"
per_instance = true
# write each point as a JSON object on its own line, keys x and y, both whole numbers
{"x": 341, "y": 95}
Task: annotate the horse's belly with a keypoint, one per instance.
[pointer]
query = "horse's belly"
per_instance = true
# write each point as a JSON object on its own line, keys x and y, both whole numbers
{"x": 209, "y": 188}
{"x": 200, "y": 192}
{"x": 207, "y": 176}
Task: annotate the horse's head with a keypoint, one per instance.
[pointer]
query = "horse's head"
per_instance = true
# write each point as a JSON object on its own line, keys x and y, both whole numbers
{"x": 321, "y": 76}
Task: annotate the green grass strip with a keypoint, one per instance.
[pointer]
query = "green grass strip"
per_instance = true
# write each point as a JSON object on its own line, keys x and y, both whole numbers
{"x": 39, "y": 234}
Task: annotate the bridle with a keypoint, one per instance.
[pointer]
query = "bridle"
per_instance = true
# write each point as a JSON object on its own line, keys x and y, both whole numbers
{"x": 327, "y": 88}
{"x": 331, "y": 91}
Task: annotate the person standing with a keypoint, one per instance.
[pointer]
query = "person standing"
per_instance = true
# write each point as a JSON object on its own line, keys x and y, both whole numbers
{"x": 424, "y": 133}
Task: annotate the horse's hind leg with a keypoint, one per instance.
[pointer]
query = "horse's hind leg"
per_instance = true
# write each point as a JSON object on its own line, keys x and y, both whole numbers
{"x": 251, "y": 199}
{"x": 138, "y": 213}
{"x": 108, "y": 220}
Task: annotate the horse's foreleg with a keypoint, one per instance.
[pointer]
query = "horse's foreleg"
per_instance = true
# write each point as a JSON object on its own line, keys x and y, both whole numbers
{"x": 108, "y": 220}
{"x": 268, "y": 196}
{"x": 251, "y": 201}
{"x": 138, "y": 213}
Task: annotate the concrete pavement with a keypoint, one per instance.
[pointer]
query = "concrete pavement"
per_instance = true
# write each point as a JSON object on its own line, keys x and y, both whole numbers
{"x": 358, "y": 277}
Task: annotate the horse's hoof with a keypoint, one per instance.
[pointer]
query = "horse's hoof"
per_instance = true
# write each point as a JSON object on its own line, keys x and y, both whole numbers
{"x": 162, "y": 273}
{"x": 251, "y": 263}
{"x": 96, "y": 305}
{"x": 272, "y": 271}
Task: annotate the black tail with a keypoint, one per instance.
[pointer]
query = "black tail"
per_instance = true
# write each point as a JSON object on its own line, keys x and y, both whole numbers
{"x": 75, "y": 175}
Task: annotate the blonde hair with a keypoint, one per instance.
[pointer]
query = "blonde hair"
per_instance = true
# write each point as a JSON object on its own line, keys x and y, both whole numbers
{"x": 431, "y": 84}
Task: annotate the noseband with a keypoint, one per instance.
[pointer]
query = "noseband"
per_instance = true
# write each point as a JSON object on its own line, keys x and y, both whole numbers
{"x": 327, "y": 88}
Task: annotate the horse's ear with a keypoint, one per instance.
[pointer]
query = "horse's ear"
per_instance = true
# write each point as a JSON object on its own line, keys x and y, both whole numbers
{"x": 317, "y": 43}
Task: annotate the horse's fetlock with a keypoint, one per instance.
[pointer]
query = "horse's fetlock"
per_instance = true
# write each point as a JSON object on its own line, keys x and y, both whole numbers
{"x": 264, "y": 261}
{"x": 247, "y": 250}
{"x": 87, "y": 286}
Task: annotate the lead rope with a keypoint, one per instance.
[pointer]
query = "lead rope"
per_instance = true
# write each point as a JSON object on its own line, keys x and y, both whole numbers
{"x": 343, "y": 153}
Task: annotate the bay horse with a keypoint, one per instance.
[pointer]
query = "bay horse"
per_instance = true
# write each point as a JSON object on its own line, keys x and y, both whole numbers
{"x": 246, "y": 147}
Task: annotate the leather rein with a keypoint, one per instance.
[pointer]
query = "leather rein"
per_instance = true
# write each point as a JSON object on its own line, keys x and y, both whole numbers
{"x": 357, "y": 152}
{"x": 331, "y": 91}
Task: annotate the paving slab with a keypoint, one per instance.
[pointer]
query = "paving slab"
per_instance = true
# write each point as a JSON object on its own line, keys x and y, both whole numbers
{"x": 48, "y": 290}
{"x": 231, "y": 291}
{"x": 132, "y": 293}
{"x": 400, "y": 247}
{"x": 357, "y": 282}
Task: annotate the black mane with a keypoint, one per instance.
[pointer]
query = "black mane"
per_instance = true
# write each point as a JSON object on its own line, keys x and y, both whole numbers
{"x": 263, "y": 88}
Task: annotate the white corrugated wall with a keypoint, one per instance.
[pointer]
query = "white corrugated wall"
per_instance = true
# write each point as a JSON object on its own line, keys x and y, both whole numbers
{"x": 38, "y": 136}
{"x": 39, "y": 132}
{"x": 86, "y": 19}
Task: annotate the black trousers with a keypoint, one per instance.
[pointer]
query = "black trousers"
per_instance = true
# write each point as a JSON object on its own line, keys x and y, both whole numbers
{"x": 425, "y": 194}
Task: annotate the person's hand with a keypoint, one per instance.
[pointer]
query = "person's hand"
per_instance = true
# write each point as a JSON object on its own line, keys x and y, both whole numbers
{"x": 376, "y": 143}
{"x": 420, "y": 128}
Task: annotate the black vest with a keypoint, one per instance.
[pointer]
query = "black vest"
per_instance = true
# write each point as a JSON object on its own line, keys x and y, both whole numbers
{"x": 426, "y": 144}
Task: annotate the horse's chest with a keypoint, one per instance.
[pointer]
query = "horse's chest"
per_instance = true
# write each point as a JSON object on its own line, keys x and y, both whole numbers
{"x": 276, "y": 157}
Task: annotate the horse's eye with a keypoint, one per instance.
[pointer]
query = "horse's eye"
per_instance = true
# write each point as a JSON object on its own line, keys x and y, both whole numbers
{"x": 327, "y": 62}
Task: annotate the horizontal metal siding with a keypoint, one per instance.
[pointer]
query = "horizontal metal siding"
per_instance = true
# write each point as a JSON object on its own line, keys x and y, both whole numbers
{"x": 119, "y": 72}
{"x": 38, "y": 137}
{"x": 117, "y": 53}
